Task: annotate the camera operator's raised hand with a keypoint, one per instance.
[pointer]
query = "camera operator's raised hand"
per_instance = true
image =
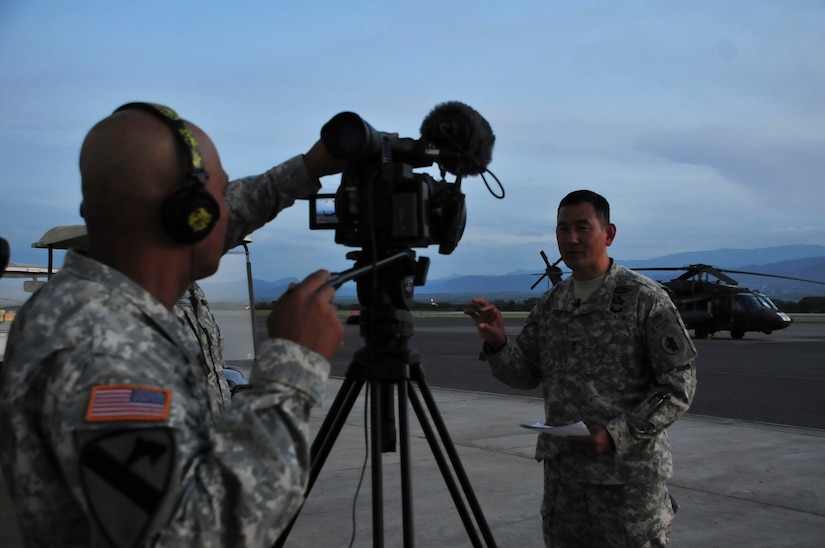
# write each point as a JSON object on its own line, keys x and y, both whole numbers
{"x": 319, "y": 162}
{"x": 306, "y": 315}
{"x": 489, "y": 323}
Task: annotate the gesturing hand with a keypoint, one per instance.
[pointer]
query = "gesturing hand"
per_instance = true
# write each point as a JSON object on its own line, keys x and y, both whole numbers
{"x": 489, "y": 323}
{"x": 306, "y": 315}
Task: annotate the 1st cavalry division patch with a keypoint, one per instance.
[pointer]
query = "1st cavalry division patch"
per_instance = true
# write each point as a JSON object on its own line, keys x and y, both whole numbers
{"x": 128, "y": 474}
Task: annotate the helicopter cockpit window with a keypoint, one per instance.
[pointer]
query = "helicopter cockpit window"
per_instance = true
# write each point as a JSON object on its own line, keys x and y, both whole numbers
{"x": 767, "y": 302}
{"x": 747, "y": 302}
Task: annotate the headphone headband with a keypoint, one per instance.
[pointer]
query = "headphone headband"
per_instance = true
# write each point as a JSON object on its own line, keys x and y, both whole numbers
{"x": 190, "y": 213}
{"x": 194, "y": 165}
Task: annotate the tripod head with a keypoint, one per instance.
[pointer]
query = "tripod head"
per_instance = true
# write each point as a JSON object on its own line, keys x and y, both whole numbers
{"x": 385, "y": 282}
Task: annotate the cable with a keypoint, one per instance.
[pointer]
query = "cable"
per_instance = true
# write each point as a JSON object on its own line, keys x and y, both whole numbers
{"x": 363, "y": 466}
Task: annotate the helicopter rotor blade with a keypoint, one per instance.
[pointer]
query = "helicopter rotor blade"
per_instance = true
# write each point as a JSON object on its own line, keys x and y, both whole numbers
{"x": 544, "y": 256}
{"x": 552, "y": 272}
{"x": 774, "y": 276}
{"x": 692, "y": 270}
{"x": 544, "y": 274}
{"x": 718, "y": 272}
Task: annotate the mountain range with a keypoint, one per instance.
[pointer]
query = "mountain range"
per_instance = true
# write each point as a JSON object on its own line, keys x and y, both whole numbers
{"x": 794, "y": 261}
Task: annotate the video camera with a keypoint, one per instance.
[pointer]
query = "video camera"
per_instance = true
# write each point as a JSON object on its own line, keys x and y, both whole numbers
{"x": 381, "y": 202}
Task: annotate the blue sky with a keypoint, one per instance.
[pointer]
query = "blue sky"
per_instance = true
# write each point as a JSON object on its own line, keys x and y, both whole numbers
{"x": 702, "y": 122}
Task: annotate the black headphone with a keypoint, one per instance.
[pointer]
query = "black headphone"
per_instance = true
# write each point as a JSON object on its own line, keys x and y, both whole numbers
{"x": 190, "y": 213}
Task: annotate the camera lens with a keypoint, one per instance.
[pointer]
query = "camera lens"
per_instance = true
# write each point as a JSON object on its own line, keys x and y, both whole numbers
{"x": 349, "y": 139}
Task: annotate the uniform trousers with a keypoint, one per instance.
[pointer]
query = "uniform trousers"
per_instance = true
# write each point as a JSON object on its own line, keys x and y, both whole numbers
{"x": 597, "y": 515}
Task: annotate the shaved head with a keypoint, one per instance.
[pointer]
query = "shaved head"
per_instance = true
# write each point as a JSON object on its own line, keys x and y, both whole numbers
{"x": 130, "y": 162}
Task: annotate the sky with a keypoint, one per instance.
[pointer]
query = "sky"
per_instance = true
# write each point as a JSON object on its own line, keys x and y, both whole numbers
{"x": 702, "y": 122}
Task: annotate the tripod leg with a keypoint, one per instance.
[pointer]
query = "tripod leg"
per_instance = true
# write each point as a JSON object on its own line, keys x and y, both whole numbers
{"x": 327, "y": 434}
{"x": 344, "y": 399}
{"x": 376, "y": 406}
{"x": 418, "y": 375}
{"x": 406, "y": 466}
{"x": 331, "y": 428}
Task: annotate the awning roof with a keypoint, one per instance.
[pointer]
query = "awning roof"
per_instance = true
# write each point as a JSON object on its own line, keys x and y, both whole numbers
{"x": 64, "y": 237}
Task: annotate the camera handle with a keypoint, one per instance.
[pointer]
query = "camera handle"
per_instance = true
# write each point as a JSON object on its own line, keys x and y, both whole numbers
{"x": 383, "y": 364}
{"x": 337, "y": 279}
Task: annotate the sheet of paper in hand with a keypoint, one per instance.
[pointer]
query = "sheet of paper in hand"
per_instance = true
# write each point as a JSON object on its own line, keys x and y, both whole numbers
{"x": 575, "y": 429}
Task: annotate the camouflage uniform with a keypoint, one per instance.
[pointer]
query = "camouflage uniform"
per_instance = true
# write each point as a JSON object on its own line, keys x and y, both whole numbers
{"x": 252, "y": 202}
{"x": 111, "y": 436}
{"x": 622, "y": 359}
{"x": 172, "y": 472}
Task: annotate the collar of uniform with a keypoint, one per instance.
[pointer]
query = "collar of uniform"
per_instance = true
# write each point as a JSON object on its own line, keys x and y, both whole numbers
{"x": 601, "y": 294}
{"x": 81, "y": 266}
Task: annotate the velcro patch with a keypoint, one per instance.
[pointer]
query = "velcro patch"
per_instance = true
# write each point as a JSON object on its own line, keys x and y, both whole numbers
{"x": 127, "y": 479}
{"x": 128, "y": 403}
{"x": 671, "y": 344}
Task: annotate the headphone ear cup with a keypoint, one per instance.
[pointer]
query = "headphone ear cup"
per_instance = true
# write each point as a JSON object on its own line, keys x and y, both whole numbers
{"x": 189, "y": 214}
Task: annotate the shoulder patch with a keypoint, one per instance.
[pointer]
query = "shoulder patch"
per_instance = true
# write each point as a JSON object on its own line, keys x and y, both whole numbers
{"x": 127, "y": 479}
{"x": 120, "y": 402}
{"x": 671, "y": 344}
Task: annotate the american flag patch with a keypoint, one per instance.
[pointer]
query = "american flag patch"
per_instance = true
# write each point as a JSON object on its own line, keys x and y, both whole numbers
{"x": 128, "y": 403}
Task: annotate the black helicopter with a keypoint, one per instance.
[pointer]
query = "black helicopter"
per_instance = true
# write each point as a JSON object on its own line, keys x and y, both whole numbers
{"x": 708, "y": 306}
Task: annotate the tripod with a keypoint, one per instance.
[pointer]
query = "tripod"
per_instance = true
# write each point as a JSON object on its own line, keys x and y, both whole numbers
{"x": 386, "y": 364}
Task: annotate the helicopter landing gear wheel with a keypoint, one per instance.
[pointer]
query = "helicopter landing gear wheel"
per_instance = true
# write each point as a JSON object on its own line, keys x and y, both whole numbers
{"x": 736, "y": 334}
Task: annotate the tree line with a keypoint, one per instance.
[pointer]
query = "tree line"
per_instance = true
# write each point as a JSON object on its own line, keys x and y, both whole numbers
{"x": 446, "y": 306}
{"x": 806, "y": 305}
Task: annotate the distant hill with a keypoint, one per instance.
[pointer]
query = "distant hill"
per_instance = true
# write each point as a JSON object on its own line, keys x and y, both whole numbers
{"x": 796, "y": 261}
{"x": 734, "y": 258}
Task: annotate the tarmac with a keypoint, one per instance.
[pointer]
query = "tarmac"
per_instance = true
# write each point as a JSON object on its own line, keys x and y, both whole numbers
{"x": 738, "y": 483}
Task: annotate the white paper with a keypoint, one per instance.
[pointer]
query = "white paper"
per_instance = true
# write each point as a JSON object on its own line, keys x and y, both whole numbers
{"x": 575, "y": 429}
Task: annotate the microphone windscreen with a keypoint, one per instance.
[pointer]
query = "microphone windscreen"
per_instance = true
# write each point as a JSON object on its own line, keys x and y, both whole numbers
{"x": 458, "y": 128}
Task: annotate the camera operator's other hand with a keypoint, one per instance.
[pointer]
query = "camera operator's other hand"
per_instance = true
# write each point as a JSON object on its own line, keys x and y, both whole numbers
{"x": 306, "y": 315}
